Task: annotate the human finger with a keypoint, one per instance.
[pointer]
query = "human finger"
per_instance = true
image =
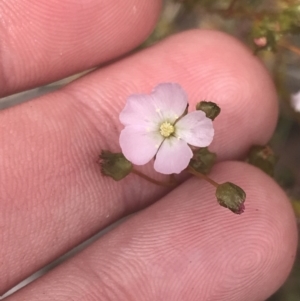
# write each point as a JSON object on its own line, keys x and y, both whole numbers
{"x": 43, "y": 41}
{"x": 186, "y": 247}
{"x": 55, "y": 196}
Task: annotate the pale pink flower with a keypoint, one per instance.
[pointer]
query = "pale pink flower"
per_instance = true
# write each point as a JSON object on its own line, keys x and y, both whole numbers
{"x": 261, "y": 42}
{"x": 295, "y": 101}
{"x": 156, "y": 126}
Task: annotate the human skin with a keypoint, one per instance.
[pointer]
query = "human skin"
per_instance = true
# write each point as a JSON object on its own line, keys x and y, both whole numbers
{"x": 182, "y": 245}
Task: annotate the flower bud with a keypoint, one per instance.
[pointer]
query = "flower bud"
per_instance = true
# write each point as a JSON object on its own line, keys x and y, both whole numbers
{"x": 266, "y": 33}
{"x": 263, "y": 157}
{"x": 203, "y": 160}
{"x": 260, "y": 42}
{"x": 115, "y": 165}
{"x": 211, "y": 109}
{"x": 231, "y": 196}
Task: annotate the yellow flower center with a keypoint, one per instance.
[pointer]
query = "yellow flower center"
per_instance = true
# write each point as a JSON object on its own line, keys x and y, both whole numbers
{"x": 166, "y": 129}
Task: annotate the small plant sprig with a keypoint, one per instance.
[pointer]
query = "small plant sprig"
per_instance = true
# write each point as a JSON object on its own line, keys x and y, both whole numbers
{"x": 271, "y": 23}
{"x": 158, "y": 126}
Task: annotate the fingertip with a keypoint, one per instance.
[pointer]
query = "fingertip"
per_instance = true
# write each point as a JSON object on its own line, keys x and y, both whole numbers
{"x": 218, "y": 67}
{"x": 265, "y": 234}
{"x": 198, "y": 244}
{"x": 44, "y": 41}
{"x": 187, "y": 247}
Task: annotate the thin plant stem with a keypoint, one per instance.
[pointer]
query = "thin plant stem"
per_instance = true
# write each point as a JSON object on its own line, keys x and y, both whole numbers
{"x": 173, "y": 179}
{"x": 202, "y": 176}
{"x": 151, "y": 180}
{"x": 290, "y": 47}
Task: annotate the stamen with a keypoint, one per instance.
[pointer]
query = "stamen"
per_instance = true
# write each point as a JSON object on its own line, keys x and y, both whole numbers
{"x": 166, "y": 129}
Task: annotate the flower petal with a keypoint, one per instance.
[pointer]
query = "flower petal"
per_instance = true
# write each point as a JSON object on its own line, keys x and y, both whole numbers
{"x": 170, "y": 101}
{"x": 138, "y": 145}
{"x": 173, "y": 156}
{"x": 295, "y": 101}
{"x": 195, "y": 128}
{"x": 167, "y": 102}
{"x": 140, "y": 110}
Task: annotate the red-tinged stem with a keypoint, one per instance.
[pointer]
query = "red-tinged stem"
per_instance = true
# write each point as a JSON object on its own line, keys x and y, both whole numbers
{"x": 151, "y": 180}
{"x": 202, "y": 176}
{"x": 290, "y": 47}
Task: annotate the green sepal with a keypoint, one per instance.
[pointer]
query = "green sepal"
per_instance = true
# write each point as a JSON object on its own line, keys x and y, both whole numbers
{"x": 263, "y": 157}
{"x": 203, "y": 160}
{"x": 231, "y": 196}
{"x": 210, "y": 109}
{"x": 115, "y": 165}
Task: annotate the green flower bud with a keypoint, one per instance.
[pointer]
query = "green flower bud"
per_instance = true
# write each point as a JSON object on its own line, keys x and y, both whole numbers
{"x": 263, "y": 157}
{"x": 231, "y": 196}
{"x": 211, "y": 109}
{"x": 115, "y": 165}
{"x": 203, "y": 160}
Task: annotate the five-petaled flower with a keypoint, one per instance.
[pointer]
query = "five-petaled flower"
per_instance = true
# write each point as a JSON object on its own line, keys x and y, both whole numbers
{"x": 157, "y": 125}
